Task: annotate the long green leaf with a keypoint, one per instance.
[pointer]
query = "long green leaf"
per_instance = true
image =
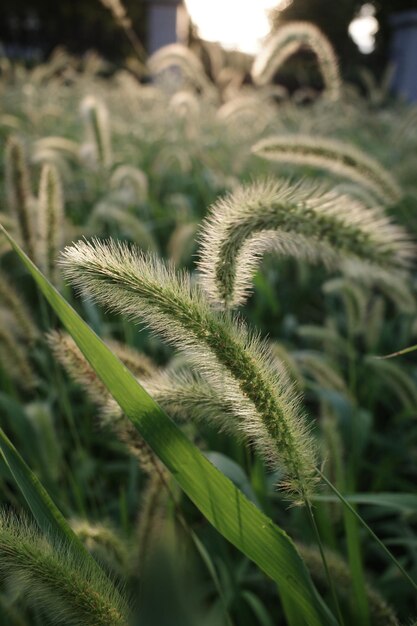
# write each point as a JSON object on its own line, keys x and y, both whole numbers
{"x": 224, "y": 506}
{"x": 48, "y": 516}
{"x": 405, "y": 502}
{"x": 368, "y": 528}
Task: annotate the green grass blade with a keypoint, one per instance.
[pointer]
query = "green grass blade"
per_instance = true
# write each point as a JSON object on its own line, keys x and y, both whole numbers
{"x": 360, "y": 519}
{"x": 398, "y": 353}
{"x": 404, "y": 502}
{"x": 224, "y": 506}
{"x": 47, "y": 515}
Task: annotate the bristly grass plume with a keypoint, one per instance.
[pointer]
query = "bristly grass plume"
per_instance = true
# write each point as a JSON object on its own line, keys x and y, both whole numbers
{"x": 179, "y": 55}
{"x": 304, "y": 220}
{"x": 19, "y": 194}
{"x": 110, "y": 415}
{"x": 97, "y": 126}
{"x": 381, "y": 613}
{"x": 334, "y": 156}
{"x": 55, "y": 580}
{"x": 288, "y": 40}
{"x": 234, "y": 361}
{"x": 50, "y": 219}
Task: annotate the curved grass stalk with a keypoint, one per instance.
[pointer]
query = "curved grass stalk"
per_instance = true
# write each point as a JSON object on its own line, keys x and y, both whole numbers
{"x": 19, "y": 195}
{"x": 335, "y": 156}
{"x": 96, "y": 119}
{"x": 306, "y": 221}
{"x": 237, "y": 364}
{"x": 184, "y": 104}
{"x": 287, "y": 41}
{"x": 63, "y": 586}
{"x": 135, "y": 177}
{"x": 172, "y": 158}
{"x": 381, "y": 613}
{"x": 50, "y": 220}
{"x": 54, "y": 158}
{"x": 63, "y": 145}
{"x": 398, "y": 352}
{"x": 246, "y": 109}
{"x": 179, "y": 55}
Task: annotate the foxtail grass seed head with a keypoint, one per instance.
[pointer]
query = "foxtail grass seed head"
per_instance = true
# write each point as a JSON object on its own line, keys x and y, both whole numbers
{"x": 288, "y": 40}
{"x": 55, "y": 581}
{"x": 50, "y": 220}
{"x": 235, "y": 362}
{"x": 132, "y": 176}
{"x": 139, "y": 364}
{"x": 104, "y": 543}
{"x": 380, "y": 612}
{"x": 180, "y": 56}
{"x": 59, "y": 145}
{"x": 19, "y": 195}
{"x": 96, "y": 119}
{"x": 305, "y": 221}
{"x": 332, "y": 155}
{"x": 186, "y": 396}
{"x": 67, "y": 353}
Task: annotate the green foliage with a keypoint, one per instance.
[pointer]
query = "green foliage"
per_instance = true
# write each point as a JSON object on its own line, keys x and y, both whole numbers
{"x": 289, "y": 384}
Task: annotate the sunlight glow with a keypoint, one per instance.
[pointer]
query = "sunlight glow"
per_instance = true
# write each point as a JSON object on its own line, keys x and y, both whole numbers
{"x": 235, "y": 24}
{"x": 364, "y": 28}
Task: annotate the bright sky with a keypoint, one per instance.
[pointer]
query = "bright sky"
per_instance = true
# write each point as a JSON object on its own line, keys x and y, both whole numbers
{"x": 364, "y": 28}
{"x": 236, "y": 24}
{"x": 243, "y": 24}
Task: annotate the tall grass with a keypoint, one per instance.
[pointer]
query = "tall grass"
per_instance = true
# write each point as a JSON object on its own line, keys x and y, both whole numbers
{"x": 284, "y": 397}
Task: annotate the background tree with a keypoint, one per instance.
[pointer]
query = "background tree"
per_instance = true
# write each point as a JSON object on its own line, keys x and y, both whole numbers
{"x": 75, "y": 24}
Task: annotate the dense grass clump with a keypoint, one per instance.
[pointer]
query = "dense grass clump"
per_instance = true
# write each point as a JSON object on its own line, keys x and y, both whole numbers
{"x": 246, "y": 254}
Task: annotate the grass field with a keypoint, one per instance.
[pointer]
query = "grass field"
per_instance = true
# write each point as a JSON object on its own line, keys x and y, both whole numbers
{"x": 265, "y": 261}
